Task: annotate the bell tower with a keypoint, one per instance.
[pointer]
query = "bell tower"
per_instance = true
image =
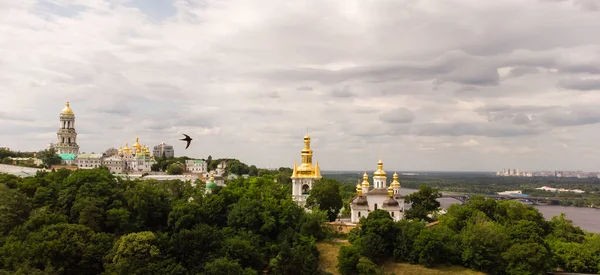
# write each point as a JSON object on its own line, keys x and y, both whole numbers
{"x": 305, "y": 175}
{"x": 67, "y": 136}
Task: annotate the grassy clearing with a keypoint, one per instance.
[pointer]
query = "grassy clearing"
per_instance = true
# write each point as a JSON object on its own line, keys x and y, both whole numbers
{"x": 329, "y": 253}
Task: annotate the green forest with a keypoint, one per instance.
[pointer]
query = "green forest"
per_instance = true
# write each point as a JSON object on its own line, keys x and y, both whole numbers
{"x": 505, "y": 237}
{"x": 90, "y": 222}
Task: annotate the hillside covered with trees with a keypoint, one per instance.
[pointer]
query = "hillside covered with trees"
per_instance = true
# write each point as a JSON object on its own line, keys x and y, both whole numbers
{"x": 89, "y": 222}
{"x": 505, "y": 237}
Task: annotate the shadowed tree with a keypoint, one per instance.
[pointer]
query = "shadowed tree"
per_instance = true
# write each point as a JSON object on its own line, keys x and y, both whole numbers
{"x": 325, "y": 195}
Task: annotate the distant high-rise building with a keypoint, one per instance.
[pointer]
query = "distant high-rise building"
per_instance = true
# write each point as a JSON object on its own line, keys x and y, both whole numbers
{"x": 163, "y": 149}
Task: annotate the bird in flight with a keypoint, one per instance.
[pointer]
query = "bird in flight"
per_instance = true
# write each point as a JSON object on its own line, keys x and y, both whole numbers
{"x": 188, "y": 139}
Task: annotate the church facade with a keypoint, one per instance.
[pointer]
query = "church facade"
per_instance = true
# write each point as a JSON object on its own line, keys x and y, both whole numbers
{"x": 305, "y": 175}
{"x": 380, "y": 196}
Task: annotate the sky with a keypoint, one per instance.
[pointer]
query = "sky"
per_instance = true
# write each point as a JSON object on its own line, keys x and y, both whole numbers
{"x": 452, "y": 85}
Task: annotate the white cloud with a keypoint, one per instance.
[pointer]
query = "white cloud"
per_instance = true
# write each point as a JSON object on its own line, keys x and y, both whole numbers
{"x": 431, "y": 85}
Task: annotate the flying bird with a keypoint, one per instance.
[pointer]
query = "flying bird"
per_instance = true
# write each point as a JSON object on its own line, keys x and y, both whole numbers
{"x": 188, "y": 139}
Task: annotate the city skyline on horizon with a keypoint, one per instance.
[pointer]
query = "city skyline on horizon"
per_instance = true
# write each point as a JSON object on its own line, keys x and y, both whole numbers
{"x": 426, "y": 86}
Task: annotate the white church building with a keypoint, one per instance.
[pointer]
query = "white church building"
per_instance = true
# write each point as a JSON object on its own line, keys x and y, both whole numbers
{"x": 380, "y": 196}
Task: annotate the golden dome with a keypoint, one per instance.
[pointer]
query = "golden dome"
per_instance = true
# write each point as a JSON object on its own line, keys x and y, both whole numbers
{"x": 67, "y": 110}
{"x": 358, "y": 189}
{"x": 121, "y": 150}
{"x": 379, "y": 172}
{"x": 211, "y": 178}
{"x": 137, "y": 143}
{"x": 395, "y": 183}
{"x": 365, "y": 182}
{"x": 390, "y": 191}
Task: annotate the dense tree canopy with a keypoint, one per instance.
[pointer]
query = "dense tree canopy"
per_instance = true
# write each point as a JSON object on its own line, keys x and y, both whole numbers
{"x": 505, "y": 237}
{"x": 89, "y": 222}
{"x": 325, "y": 195}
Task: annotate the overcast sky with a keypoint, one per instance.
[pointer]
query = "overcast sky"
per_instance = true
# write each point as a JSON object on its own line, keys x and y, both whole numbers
{"x": 426, "y": 84}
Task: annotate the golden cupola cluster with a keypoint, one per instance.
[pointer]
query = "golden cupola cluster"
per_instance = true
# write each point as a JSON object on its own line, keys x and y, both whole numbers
{"x": 306, "y": 168}
{"x": 136, "y": 149}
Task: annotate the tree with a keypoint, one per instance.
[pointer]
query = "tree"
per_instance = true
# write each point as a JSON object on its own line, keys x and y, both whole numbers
{"x": 133, "y": 253}
{"x": 367, "y": 267}
{"x": 174, "y": 169}
{"x": 325, "y": 195}
{"x": 424, "y": 202}
{"x": 348, "y": 258}
{"x": 253, "y": 171}
{"x": 14, "y": 208}
{"x": 49, "y": 157}
{"x": 528, "y": 258}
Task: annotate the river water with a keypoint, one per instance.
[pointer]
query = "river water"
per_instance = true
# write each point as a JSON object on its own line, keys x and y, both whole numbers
{"x": 586, "y": 218}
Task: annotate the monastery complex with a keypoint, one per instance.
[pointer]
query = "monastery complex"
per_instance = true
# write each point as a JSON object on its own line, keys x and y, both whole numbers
{"x": 368, "y": 197}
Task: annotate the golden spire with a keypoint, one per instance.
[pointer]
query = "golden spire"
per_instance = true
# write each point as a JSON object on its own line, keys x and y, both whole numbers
{"x": 395, "y": 183}
{"x": 379, "y": 172}
{"x": 121, "y": 150}
{"x": 295, "y": 171}
{"x": 306, "y": 169}
{"x": 365, "y": 182}
{"x": 318, "y": 171}
{"x": 67, "y": 110}
{"x": 137, "y": 143}
{"x": 358, "y": 189}
{"x": 390, "y": 191}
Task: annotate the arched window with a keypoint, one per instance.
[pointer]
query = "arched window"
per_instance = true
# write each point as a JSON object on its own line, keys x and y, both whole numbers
{"x": 375, "y": 207}
{"x": 305, "y": 189}
{"x": 359, "y": 214}
{"x": 392, "y": 214}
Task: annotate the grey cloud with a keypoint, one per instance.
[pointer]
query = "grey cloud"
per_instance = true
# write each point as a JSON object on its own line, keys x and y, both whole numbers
{"x": 201, "y": 122}
{"x": 521, "y": 71}
{"x": 519, "y": 115}
{"x": 474, "y": 129}
{"x": 521, "y": 119}
{"x": 13, "y": 117}
{"x": 334, "y": 74}
{"x": 272, "y": 94}
{"x": 571, "y": 117}
{"x": 343, "y": 93}
{"x": 588, "y": 5}
{"x": 552, "y": 116}
{"x": 398, "y": 115}
{"x": 114, "y": 107}
{"x": 580, "y": 84}
{"x": 304, "y": 88}
{"x": 452, "y": 66}
{"x": 21, "y": 129}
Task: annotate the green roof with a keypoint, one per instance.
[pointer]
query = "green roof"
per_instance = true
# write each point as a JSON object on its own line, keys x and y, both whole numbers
{"x": 67, "y": 156}
{"x": 210, "y": 185}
